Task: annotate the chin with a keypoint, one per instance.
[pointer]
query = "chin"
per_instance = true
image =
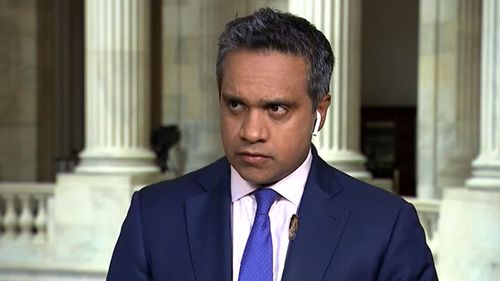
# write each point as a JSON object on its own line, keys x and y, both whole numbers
{"x": 253, "y": 179}
{"x": 259, "y": 181}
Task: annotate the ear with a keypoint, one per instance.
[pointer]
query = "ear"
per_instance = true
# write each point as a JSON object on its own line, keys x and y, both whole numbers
{"x": 323, "y": 105}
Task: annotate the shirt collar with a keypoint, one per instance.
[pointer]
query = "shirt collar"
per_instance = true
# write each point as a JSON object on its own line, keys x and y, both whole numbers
{"x": 290, "y": 187}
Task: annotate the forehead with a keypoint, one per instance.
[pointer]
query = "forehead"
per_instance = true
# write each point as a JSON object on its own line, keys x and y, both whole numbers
{"x": 264, "y": 70}
{"x": 267, "y": 59}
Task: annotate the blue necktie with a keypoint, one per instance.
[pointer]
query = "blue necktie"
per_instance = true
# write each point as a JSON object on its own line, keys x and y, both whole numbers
{"x": 257, "y": 260}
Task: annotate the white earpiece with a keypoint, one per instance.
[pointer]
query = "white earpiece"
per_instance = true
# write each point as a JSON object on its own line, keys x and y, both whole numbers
{"x": 317, "y": 122}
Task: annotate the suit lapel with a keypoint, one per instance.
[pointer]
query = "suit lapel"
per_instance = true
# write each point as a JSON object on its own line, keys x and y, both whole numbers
{"x": 209, "y": 226}
{"x": 321, "y": 223}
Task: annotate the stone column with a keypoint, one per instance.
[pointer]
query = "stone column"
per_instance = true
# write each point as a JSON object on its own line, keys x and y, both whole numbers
{"x": 486, "y": 167}
{"x": 117, "y": 78}
{"x": 208, "y": 145}
{"x": 448, "y": 93}
{"x": 190, "y": 91}
{"x": 340, "y": 21}
{"x": 469, "y": 227}
{"x": 89, "y": 206}
{"x": 462, "y": 117}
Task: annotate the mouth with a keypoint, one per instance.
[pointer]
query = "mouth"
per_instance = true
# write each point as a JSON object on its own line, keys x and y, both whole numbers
{"x": 253, "y": 158}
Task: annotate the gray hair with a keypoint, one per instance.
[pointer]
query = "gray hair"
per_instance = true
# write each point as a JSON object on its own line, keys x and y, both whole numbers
{"x": 272, "y": 30}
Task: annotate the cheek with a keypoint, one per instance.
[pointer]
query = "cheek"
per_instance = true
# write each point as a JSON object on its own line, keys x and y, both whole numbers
{"x": 301, "y": 128}
{"x": 297, "y": 137}
{"x": 228, "y": 127}
{"x": 294, "y": 137}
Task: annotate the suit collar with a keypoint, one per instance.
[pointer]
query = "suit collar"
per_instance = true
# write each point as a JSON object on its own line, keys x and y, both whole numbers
{"x": 323, "y": 176}
{"x": 321, "y": 224}
{"x": 208, "y": 218}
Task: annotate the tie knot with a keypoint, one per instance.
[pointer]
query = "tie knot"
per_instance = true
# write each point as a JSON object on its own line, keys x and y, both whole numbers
{"x": 265, "y": 198}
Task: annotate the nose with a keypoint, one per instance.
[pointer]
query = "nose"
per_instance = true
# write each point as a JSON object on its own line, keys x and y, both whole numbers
{"x": 254, "y": 128}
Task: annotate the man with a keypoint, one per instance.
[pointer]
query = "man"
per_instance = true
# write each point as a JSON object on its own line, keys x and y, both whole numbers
{"x": 273, "y": 73}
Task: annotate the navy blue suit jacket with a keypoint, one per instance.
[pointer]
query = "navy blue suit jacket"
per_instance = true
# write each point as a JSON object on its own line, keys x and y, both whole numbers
{"x": 181, "y": 230}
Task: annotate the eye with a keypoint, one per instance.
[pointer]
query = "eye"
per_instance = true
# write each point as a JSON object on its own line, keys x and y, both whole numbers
{"x": 277, "y": 110}
{"x": 234, "y": 105}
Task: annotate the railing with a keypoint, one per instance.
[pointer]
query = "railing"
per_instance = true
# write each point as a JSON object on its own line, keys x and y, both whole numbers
{"x": 28, "y": 250}
{"x": 428, "y": 213}
{"x": 23, "y": 210}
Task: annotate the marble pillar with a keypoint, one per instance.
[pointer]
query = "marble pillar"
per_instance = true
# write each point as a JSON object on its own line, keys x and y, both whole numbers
{"x": 190, "y": 97}
{"x": 462, "y": 119}
{"x": 117, "y": 79}
{"x": 486, "y": 167}
{"x": 209, "y": 145}
{"x": 448, "y": 93}
{"x": 469, "y": 225}
{"x": 338, "y": 141}
{"x": 90, "y": 205}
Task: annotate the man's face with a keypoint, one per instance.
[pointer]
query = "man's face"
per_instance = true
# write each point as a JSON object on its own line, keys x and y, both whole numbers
{"x": 266, "y": 114}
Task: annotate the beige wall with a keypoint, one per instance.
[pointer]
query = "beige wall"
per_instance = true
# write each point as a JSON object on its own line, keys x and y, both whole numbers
{"x": 18, "y": 85}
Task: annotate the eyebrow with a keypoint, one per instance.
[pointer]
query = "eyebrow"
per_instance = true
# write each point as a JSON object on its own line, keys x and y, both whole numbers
{"x": 267, "y": 103}
{"x": 261, "y": 103}
{"x": 226, "y": 96}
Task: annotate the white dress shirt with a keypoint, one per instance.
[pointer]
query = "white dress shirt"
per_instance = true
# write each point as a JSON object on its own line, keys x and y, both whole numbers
{"x": 244, "y": 206}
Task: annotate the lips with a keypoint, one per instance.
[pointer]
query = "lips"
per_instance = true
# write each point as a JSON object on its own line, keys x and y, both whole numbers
{"x": 253, "y": 158}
